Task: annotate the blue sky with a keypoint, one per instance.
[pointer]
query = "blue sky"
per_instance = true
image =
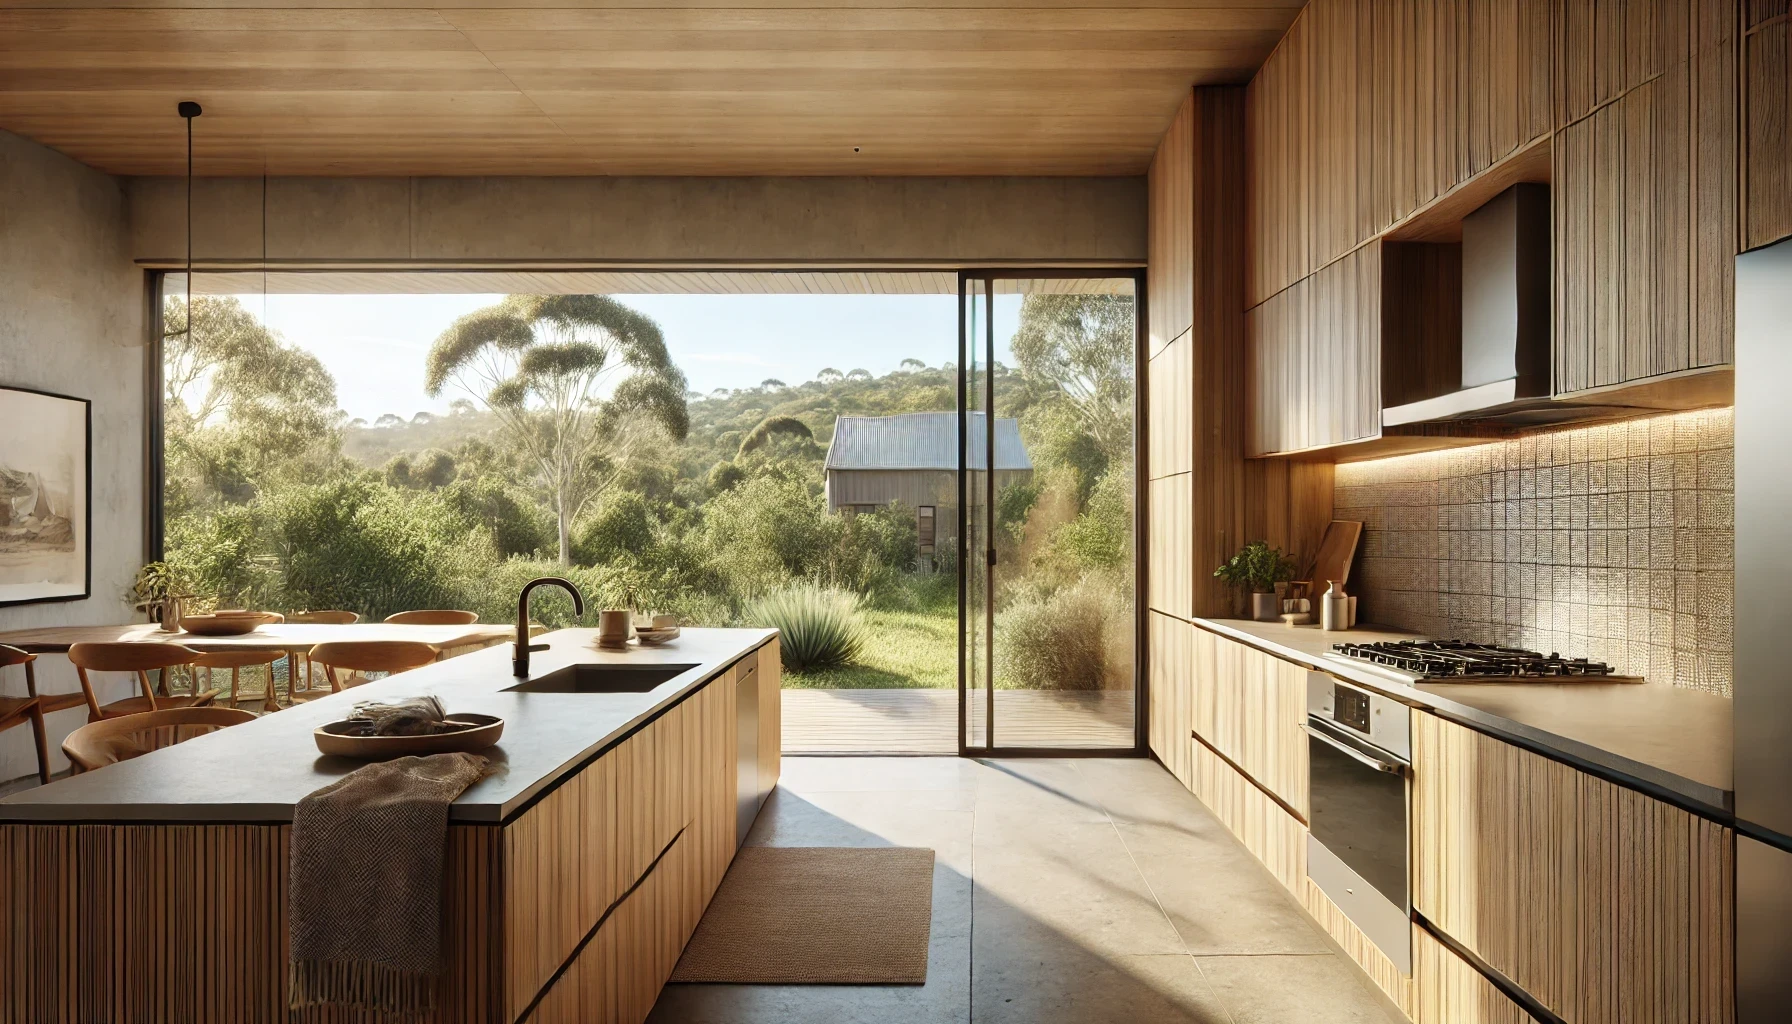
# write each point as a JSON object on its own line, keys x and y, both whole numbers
{"x": 375, "y": 344}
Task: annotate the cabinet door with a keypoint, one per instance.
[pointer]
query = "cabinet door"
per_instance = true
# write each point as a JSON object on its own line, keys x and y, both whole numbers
{"x": 771, "y": 722}
{"x": 1767, "y": 91}
{"x": 1253, "y": 710}
{"x": 1447, "y": 990}
{"x": 1605, "y": 905}
{"x": 1170, "y": 717}
{"x": 1314, "y": 360}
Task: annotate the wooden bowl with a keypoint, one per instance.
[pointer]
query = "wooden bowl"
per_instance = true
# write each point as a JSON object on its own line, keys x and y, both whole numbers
{"x": 335, "y": 738}
{"x": 224, "y": 623}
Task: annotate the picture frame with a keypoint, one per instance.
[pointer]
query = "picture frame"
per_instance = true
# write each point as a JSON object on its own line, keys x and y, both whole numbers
{"x": 46, "y": 497}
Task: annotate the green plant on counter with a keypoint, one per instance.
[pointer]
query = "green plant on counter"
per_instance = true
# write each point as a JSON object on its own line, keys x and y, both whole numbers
{"x": 817, "y": 628}
{"x": 1257, "y": 566}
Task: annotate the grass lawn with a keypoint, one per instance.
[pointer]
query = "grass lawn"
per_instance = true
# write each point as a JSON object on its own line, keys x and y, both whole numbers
{"x": 903, "y": 650}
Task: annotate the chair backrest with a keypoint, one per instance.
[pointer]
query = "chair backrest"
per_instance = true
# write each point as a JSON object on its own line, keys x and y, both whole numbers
{"x": 237, "y": 657}
{"x": 371, "y": 656}
{"x": 327, "y": 618}
{"x": 434, "y": 617}
{"x": 110, "y": 740}
{"x": 141, "y": 658}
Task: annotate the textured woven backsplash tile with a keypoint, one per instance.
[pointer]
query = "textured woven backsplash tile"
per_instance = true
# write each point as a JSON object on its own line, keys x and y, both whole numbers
{"x": 1611, "y": 542}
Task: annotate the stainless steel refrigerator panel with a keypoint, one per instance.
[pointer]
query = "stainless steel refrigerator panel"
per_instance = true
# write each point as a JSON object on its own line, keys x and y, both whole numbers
{"x": 1763, "y": 670}
{"x": 1763, "y": 937}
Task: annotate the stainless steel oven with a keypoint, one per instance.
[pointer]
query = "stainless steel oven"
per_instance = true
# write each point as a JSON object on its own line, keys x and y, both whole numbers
{"x": 1359, "y": 748}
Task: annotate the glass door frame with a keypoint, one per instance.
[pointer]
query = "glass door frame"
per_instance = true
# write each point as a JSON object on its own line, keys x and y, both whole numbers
{"x": 1141, "y": 654}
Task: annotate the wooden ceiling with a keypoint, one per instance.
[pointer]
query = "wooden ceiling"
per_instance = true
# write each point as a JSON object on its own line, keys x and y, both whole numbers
{"x": 740, "y": 87}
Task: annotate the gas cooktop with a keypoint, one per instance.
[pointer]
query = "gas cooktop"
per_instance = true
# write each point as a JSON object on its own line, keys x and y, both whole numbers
{"x": 1459, "y": 659}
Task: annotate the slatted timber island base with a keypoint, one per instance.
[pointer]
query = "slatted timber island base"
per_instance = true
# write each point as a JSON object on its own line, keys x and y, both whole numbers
{"x": 575, "y": 874}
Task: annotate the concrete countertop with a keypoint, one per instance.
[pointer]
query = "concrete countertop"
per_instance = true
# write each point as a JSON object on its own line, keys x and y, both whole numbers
{"x": 257, "y": 771}
{"x": 1663, "y": 737}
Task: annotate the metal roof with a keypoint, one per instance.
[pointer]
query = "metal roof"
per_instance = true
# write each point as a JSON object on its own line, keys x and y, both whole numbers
{"x": 921, "y": 440}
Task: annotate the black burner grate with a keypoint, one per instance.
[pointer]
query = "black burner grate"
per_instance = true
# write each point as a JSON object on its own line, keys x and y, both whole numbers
{"x": 1442, "y": 659}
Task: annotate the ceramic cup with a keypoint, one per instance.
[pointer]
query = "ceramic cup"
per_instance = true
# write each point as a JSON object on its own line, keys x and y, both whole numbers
{"x": 613, "y": 626}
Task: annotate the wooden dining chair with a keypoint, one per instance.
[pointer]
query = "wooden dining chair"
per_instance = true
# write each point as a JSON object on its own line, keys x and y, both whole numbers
{"x": 142, "y": 659}
{"x": 433, "y": 617}
{"x": 27, "y": 709}
{"x": 236, "y": 660}
{"x": 352, "y": 657}
{"x": 319, "y": 617}
{"x": 111, "y": 740}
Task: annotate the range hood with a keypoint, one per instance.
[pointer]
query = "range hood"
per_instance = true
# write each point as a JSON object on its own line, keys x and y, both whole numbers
{"x": 1505, "y": 320}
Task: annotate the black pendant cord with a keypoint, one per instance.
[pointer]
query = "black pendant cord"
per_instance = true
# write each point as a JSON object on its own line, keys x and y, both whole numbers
{"x": 189, "y": 110}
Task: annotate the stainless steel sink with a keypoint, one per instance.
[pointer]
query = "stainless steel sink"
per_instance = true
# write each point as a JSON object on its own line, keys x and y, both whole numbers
{"x": 602, "y": 679}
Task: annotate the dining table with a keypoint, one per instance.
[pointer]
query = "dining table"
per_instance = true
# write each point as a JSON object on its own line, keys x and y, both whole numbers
{"x": 273, "y": 636}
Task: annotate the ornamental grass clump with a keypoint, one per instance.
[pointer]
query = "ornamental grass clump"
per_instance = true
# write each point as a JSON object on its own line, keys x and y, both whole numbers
{"x": 817, "y": 628}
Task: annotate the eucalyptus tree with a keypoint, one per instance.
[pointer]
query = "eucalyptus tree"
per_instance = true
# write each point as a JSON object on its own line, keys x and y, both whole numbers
{"x": 582, "y": 383}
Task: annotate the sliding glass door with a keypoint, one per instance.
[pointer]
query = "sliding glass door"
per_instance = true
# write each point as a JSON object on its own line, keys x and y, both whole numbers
{"x": 1049, "y": 638}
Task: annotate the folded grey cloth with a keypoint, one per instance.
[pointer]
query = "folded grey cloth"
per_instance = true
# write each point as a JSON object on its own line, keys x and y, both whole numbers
{"x": 366, "y": 892}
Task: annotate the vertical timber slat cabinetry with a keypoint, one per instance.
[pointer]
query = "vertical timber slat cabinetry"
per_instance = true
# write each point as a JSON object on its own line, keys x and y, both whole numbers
{"x": 1607, "y": 906}
{"x": 1172, "y": 654}
{"x": 1252, "y": 708}
{"x": 1644, "y": 205}
{"x": 1369, "y": 113}
{"x": 1315, "y": 366}
{"x": 188, "y": 922}
{"x": 1448, "y": 990}
{"x": 1767, "y": 122}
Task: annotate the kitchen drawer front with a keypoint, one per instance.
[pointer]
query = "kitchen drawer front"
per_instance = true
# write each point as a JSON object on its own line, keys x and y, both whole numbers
{"x": 1273, "y": 836}
{"x": 1448, "y": 990}
{"x": 771, "y": 721}
{"x": 1252, "y": 708}
{"x": 1604, "y": 904}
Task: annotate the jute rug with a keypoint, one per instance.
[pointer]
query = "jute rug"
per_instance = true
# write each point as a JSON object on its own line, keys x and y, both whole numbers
{"x": 816, "y": 915}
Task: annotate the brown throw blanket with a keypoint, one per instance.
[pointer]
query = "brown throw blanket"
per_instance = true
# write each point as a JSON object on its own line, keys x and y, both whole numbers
{"x": 366, "y": 885}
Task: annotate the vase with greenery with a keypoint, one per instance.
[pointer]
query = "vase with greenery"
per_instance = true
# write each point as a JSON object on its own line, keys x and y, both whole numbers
{"x": 1258, "y": 568}
{"x": 159, "y": 590}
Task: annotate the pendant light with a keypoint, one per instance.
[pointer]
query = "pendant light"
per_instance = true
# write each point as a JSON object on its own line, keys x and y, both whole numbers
{"x": 188, "y": 110}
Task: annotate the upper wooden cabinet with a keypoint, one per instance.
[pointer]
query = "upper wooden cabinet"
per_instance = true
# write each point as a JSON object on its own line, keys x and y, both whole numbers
{"x": 1645, "y": 239}
{"x": 1767, "y": 122}
{"x": 1314, "y": 370}
{"x": 1369, "y": 110}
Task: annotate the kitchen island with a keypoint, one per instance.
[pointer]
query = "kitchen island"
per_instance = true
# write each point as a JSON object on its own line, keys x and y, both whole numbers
{"x": 154, "y": 889}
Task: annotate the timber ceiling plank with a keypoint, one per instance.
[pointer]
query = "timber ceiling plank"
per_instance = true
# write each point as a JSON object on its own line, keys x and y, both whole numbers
{"x": 596, "y": 87}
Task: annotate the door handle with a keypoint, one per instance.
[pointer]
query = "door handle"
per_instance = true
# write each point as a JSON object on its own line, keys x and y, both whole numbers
{"x": 1350, "y": 750}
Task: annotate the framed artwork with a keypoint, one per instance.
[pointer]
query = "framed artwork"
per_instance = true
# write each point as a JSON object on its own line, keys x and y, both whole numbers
{"x": 46, "y": 505}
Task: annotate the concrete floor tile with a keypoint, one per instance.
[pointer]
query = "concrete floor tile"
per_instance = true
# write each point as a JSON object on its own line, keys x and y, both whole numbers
{"x": 877, "y": 773}
{"x": 1324, "y": 989}
{"x": 1070, "y": 986}
{"x": 1080, "y": 888}
{"x": 1141, "y": 791}
{"x": 1219, "y": 899}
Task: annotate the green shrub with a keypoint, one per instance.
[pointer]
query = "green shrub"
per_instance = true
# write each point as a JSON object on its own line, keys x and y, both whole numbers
{"x": 1063, "y": 641}
{"x": 622, "y": 526}
{"x": 817, "y": 628}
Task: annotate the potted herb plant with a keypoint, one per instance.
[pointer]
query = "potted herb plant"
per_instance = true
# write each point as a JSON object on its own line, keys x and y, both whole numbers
{"x": 159, "y": 590}
{"x": 1259, "y": 567}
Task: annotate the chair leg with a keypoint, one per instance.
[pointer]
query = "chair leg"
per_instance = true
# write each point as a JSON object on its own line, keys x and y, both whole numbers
{"x": 43, "y": 747}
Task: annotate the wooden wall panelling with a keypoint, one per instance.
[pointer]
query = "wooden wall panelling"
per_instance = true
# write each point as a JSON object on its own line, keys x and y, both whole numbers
{"x": 1609, "y": 905}
{"x": 1273, "y": 836}
{"x": 771, "y": 719}
{"x": 1767, "y": 92}
{"x": 1381, "y": 970}
{"x": 1171, "y": 405}
{"x": 1172, "y": 693}
{"x": 1448, "y": 990}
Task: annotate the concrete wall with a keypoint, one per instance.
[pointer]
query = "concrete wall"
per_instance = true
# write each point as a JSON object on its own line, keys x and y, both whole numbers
{"x": 645, "y": 221}
{"x": 72, "y": 322}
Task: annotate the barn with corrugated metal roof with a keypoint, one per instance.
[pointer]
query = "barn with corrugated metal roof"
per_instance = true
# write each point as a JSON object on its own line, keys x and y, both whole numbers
{"x": 913, "y": 458}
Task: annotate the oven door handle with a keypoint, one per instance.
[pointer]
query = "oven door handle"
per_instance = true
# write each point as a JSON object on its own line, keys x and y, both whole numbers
{"x": 1350, "y": 750}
